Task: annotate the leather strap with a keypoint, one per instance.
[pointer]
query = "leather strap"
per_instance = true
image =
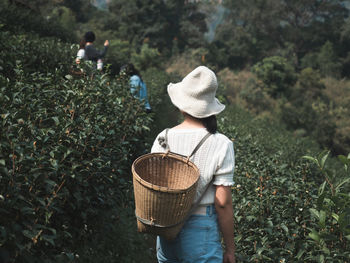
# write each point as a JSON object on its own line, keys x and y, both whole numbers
{"x": 194, "y": 150}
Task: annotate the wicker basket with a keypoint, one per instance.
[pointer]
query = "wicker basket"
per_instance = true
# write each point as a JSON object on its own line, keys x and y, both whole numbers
{"x": 164, "y": 189}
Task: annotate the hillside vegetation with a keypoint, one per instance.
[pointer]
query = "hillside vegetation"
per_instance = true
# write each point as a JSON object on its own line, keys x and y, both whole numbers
{"x": 69, "y": 134}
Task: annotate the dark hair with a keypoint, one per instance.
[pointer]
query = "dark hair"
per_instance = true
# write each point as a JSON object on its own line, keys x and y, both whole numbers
{"x": 89, "y": 36}
{"x": 210, "y": 123}
{"x": 130, "y": 70}
{"x": 82, "y": 43}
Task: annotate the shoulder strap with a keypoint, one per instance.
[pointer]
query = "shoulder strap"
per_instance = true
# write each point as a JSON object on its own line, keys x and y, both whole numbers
{"x": 194, "y": 150}
{"x": 199, "y": 144}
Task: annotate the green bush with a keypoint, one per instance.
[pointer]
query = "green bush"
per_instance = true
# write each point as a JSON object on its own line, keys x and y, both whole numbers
{"x": 274, "y": 190}
{"x": 147, "y": 57}
{"x": 325, "y": 60}
{"x": 277, "y": 74}
{"x": 66, "y": 148}
{"x": 34, "y": 54}
{"x": 308, "y": 109}
{"x": 329, "y": 234}
{"x": 17, "y": 18}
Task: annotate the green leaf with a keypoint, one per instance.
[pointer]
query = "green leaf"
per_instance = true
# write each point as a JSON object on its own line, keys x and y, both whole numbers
{"x": 48, "y": 238}
{"x": 314, "y": 235}
{"x": 285, "y": 228}
{"x": 28, "y": 234}
{"x": 343, "y": 182}
{"x": 315, "y": 212}
{"x": 322, "y": 218}
{"x": 324, "y": 158}
{"x": 335, "y": 216}
{"x": 300, "y": 254}
{"x": 311, "y": 159}
{"x": 57, "y": 122}
{"x": 322, "y": 187}
{"x": 69, "y": 77}
{"x": 2, "y": 162}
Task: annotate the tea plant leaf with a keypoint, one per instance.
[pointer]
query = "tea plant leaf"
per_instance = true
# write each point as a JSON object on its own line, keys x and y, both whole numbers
{"x": 324, "y": 159}
{"x": 335, "y": 216}
{"x": 285, "y": 228}
{"x": 57, "y": 122}
{"x": 342, "y": 183}
{"x": 300, "y": 254}
{"x": 315, "y": 213}
{"x": 314, "y": 235}
{"x": 322, "y": 219}
{"x": 311, "y": 159}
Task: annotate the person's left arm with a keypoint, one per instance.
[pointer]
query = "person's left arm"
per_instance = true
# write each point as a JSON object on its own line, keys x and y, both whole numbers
{"x": 223, "y": 181}
{"x": 224, "y": 210}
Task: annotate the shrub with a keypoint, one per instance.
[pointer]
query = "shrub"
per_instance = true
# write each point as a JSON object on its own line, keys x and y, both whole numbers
{"x": 326, "y": 61}
{"x": 329, "y": 234}
{"x": 17, "y": 18}
{"x": 34, "y": 54}
{"x": 66, "y": 148}
{"x": 308, "y": 108}
{"x": 146, "y": 58}
{"x": 277, "y": 74}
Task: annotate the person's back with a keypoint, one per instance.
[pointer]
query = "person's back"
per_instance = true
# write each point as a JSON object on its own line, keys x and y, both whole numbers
{"x": 91, "y": 53}
{"x": 217, "y": 151}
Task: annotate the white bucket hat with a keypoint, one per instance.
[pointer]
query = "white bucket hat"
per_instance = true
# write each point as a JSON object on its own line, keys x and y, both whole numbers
{"x": 195, "y": 94}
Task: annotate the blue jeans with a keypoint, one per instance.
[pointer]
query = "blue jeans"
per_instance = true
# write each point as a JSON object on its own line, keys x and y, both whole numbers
{"x": 198, "y": 241}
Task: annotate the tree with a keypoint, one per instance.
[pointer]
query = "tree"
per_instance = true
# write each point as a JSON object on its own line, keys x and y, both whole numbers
{"x": 158, "y": 22}
{"x": 257, "y": 28}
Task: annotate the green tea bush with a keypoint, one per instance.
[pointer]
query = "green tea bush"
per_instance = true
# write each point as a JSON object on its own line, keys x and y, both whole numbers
{"x": 274, "y": 194}
{"x": 329, "y": 238}
{"x": 66, "y": 146}
{"x": 33, "y": 53}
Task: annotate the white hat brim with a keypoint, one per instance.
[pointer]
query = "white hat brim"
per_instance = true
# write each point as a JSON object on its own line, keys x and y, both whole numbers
{"x": 195, "y": 107}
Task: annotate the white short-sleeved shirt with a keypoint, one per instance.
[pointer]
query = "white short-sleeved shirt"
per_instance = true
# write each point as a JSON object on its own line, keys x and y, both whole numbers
{"x": 214, "y": 159}
{"x": 81, "y": 54}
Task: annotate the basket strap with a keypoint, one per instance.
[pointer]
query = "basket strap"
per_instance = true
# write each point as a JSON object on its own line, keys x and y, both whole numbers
{"x": 194, "y": 150}
{"x": 199, "y": 145}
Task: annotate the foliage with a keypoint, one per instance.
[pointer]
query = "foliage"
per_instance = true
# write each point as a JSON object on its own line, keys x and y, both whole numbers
{"x": 308, "y": 108}
{"x": 66, "y": 146}
{"x": 147, "y": 58}
{"x": 160, "y": 22}
{"x": 277, "y": 75}
{"x": 165, "y": 114}
{"x": 329, "y": 236}
{"x": 275, "y": 193}
{"x": 12, "y": 17}
{"x": 255, "y": 29}
{"x": 326, "y": 61}
{"x": 34, "y": 53}
{"x": 339, "y": 92}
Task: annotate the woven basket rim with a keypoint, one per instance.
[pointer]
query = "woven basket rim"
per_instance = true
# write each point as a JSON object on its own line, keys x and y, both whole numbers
{"x": 163, "y": 188}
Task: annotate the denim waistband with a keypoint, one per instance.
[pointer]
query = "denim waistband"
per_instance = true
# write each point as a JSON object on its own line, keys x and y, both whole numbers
{"x": 204, "y": 210}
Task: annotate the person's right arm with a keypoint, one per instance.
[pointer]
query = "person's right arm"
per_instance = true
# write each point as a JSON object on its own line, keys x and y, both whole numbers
{"x": 93, "y": 54}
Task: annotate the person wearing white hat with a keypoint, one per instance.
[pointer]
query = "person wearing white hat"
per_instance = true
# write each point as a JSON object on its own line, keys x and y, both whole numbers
{"x": 199, "y": 240}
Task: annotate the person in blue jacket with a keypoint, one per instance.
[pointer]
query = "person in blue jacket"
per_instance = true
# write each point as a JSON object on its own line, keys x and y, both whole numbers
{"x": 138, "y": 88}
